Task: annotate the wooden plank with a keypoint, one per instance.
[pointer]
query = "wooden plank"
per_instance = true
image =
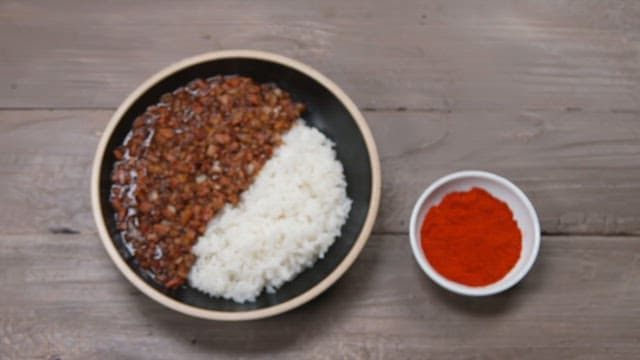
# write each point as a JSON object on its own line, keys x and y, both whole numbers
{"x": 62, "y": 298}
{"x": 438, "y": 55}
{"x": 581, "y": 170}
{"x": 45, "y": 167}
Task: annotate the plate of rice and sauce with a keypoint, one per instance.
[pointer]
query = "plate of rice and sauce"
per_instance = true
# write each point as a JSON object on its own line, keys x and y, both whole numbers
{"x": 235, "y": 185}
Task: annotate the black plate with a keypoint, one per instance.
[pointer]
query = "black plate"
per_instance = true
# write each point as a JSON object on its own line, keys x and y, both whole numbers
{"x": 325, "y": 112}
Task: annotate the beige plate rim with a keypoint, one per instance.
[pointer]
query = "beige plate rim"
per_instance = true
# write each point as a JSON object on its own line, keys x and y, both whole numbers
{"x": 250, "y": 314}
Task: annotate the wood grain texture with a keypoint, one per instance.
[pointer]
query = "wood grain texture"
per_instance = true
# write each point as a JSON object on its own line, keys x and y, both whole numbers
{"x": 62, "y": 297}
{"x": 546, "y": 93}
{"x": 442, "y": 55}
{"x": 581, "y": 170}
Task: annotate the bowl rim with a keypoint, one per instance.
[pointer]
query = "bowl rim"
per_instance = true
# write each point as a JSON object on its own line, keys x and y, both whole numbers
{"x": 294, "y": 302}
{"x": 453, "y": 286}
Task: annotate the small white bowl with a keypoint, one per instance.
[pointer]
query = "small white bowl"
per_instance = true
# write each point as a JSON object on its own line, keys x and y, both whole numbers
{"x": 501, "y": 188}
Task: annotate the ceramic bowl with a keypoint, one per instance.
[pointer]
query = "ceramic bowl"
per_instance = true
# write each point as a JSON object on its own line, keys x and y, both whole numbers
{"x": 501, "y": 188}
{"x": 329, "y": 109}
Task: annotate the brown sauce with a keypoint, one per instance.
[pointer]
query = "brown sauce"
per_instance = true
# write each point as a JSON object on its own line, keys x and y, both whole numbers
{"x": 186, "y": 157}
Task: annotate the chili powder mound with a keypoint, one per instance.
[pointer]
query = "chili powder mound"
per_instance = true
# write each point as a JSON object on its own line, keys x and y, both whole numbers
{"x": 471, "y": 238}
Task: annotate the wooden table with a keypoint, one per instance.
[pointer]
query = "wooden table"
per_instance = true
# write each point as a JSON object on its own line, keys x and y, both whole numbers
{"x": 546, "y": 93}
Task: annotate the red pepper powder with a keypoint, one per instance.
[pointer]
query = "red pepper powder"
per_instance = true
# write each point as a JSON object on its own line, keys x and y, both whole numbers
{"x": 471, "y": 238}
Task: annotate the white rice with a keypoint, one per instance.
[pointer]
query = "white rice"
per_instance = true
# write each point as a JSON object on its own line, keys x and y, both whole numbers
{"x": 284, "y": 222}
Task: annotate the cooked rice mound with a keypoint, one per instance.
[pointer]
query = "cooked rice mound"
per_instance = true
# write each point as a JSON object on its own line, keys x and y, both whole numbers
{"x": 284, "y": 222}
